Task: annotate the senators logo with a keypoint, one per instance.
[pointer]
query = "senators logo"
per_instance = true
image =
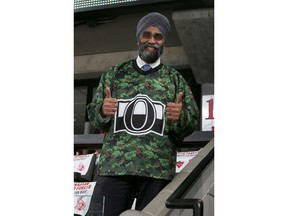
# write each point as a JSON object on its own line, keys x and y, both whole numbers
{"x": 139, "y": 116}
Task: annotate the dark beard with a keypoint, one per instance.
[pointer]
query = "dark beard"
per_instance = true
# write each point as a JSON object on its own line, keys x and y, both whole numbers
{"x": 149, "y": 57}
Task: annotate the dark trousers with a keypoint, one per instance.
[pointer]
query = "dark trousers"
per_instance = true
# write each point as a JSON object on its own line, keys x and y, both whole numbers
{"x": 119, "y": 193}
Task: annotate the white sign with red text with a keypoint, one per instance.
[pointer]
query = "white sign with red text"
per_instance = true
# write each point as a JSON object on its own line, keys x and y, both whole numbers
{"x": 183, "y": 159}
{"x": 82, "y": 163}
{"x": 207, "y": 113}
{"x": 82, "y": 197}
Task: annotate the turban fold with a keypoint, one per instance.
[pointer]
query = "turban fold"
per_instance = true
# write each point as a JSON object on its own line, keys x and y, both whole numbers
{"x": 154, "y": 19}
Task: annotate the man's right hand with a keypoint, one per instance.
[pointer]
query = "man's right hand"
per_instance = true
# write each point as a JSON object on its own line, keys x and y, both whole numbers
{"x": 109, "y": 106}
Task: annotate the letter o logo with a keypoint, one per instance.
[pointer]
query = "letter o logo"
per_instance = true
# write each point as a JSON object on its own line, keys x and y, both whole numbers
{"x": 139, "y": 116}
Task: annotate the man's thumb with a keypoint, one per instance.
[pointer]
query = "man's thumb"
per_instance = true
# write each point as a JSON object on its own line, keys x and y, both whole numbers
{"x": 108, "y": 92}
{"x": 179, "y": 98}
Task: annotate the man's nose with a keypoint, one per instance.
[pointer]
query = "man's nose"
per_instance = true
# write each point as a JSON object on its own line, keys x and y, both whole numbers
{"x": 151, "y": 40}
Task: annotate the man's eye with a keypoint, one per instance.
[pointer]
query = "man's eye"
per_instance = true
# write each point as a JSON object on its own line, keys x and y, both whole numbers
{"x": 158, "y": 37}
{"x": 146, "y": 35}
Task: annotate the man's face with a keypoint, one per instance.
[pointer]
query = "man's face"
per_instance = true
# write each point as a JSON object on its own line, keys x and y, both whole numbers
{"x": 151, "y": 44}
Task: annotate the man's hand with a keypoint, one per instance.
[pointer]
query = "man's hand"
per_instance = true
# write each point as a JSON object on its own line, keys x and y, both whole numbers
{"x": 109, "y": 106}
{"x": 174, "y": 110}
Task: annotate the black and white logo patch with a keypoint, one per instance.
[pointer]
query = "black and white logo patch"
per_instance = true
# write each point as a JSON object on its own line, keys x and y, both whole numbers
{"x": 139, "y": 116}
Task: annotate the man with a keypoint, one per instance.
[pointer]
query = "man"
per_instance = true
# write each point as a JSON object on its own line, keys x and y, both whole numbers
{"x": 145, "y": 113}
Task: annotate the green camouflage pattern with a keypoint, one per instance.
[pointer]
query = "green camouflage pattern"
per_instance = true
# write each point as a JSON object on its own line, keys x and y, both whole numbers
{"x": 149, "y": 155}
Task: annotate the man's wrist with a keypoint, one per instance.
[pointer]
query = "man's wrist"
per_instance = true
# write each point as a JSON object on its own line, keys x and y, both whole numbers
{"x": 101, "y": 113}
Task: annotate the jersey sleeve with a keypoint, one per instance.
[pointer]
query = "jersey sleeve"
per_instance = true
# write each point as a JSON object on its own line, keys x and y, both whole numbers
{"x": 190, "y": 112}
{"x": 94, "y": 108}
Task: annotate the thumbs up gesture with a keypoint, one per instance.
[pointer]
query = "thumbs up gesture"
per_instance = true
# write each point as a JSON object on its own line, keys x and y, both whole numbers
{"x": 174, "y": 110}
{"x": 109, "y": 106}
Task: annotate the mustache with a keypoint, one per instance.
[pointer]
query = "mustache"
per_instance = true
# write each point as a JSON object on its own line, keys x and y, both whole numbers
{"x": 156, "y": 46}
{"x": 145, "y": 45}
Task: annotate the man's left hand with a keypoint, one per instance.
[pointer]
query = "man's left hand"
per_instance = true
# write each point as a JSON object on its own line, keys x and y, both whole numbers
{"x": 174, "y": 110}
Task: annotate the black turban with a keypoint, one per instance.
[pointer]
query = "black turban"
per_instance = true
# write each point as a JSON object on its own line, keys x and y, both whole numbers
{"x": 154, "y": 19}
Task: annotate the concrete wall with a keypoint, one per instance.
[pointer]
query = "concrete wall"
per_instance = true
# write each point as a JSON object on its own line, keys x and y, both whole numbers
{"x": 196, "y": 32}
{"x": 100, "y": 45}
{"x": 92, "y": 66}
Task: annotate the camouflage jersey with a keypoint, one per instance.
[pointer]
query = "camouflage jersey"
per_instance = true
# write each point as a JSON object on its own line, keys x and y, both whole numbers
{"x": 139, "y": 140}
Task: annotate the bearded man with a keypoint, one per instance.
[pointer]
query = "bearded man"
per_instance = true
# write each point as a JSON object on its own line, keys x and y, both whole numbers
{"x": 146, "y": 108}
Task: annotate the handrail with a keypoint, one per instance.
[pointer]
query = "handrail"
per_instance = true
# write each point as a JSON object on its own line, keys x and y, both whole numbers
{"x": 175, "y": 201}
{"x": 197, "y": 139}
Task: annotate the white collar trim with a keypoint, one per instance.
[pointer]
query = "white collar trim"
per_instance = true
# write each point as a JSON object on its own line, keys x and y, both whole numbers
{"x": 140, "y": 62}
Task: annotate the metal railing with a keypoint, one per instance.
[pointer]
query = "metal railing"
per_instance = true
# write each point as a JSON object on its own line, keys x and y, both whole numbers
{"x": 198, "y": 139}
{"x": 176, "y": 200}
{"x": 195, "y": 180}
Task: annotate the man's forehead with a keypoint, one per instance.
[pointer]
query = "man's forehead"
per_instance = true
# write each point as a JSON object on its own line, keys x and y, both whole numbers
{"x": 153, "y": 29}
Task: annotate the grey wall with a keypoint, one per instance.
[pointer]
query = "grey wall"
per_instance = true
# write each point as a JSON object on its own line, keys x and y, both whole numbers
{"x": 102, "y": 44}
